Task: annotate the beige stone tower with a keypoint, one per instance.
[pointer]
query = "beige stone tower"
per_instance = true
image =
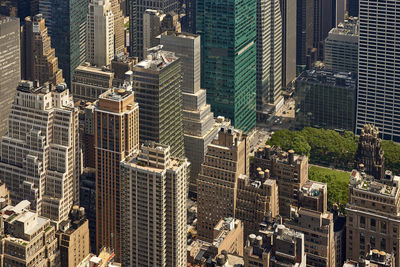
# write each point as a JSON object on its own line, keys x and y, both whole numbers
{"x": 119, "y": 27}
{"x": 39, "y": 60}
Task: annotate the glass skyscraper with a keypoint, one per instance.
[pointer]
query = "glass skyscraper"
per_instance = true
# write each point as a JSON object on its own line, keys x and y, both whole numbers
{"x": 228, "y": 32}
{"x": 66, "y": 22}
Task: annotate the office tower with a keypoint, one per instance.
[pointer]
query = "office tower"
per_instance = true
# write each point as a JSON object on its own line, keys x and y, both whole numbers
{"x": 264, "y": 192}
{"x": 66, "y": 23}
{"x": 189, "y": 20}
{"x": 304, "y": 31}
{"x": 158, "y": 90}
{"x": 229, "y": 58}
{"x": 73, "y": 238}
{"x": 39, "y": 61}
{"x": 226, "y": 159}
{"x": 28, "y": 239}
{"x": 326, "y": 99}
{"x": 87, "y": 193}
{"x": 100, "y": 33}
{"x": 137, "y": 12}
{"x": 19, "y": 8}
{"x": 269, "y": 58}
{"x": 313, "y": 219}
{"x": 288, "y": 14}
{"x": 369, "y": 152}
{"x": 378, "y": 65}
{"x": 119, "y": 27}
{"x": 40, "y": 158}
{"x": 289, "y": 170}
{"x": 338, "y": 12}
{"x": 341, "y": 47}
{"x": 353, "y": 8}
{"x": 86, "y": 132}
{"x": 156, "y": 22}
{"x": 10, "y": 66}
{"x": 324, "y": 18}
{"x": 153, "y": 197}
{"x": 198, "y": 122}
{"x": 275, "y": 246}
{"x": 90, "y": 82}
{"x": 116, "y": 127}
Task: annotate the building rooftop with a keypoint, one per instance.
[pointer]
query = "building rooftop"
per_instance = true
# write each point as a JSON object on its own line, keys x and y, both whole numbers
{"x": 349, "y": 27}
{"x": 364, "y": 182}
{"x": 313, "y": 188}
{"x": 326, "y": 77}
{"x": 116, "y": 95}
{"x": 181, "y": 34}
{"x": 157, "y": 59}
{"x": 86, "y": 67}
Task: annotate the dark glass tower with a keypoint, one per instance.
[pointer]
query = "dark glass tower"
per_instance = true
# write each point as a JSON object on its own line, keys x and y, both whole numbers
{"x": 66, "y": 22}
{"x": 228, "y": 32}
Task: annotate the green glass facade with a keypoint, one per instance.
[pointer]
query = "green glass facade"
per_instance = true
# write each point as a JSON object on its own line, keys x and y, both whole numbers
{"x": 228, "y": 32}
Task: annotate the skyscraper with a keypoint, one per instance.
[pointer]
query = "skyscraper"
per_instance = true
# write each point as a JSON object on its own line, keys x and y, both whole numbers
{"x": 269, "y": 56}
{"x": 288, "y": 13}
{"x": 198, "y": 121}
{"x": 10, "y": 66}
{"x": 352, "y": 8}
{"x": 19, "y": 8}
{"x": 378, "y": 67}
{"x": 324, "y": 21}
{"x": 154, "y": 191}
{"x": 39, "y": 62}
{"x": 305, "y": 31}
{"x": 116, "y": 119}
{"x": 229, "y": 31}
{"x": 119, "y": 27}
{"x": 341, "y": 47}
{"x": 158, "y": 90}
{"x": 137, "y": 11}
{"x": 66, "y": 23}
{"x": 40, "y": 158}
{"x": 100, "y": 33}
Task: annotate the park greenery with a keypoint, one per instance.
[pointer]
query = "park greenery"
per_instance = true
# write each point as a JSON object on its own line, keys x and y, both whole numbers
{"x": 330, "y": 148}
{"x": 337, "y": 182}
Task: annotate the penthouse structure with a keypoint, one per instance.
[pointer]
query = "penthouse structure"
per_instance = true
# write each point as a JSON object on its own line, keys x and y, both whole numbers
{"x": 313, "y": 219}
{"x": 158, "y": 89}
{"x": 289, "y": 170}
{"x": 153, "y": 208}
{"x": 225, "y": 161}
{"x": 90, "y": 82}
{"x": 116, "y": 124}
{"x": 275, "y": 246}
{"x": 341, "y": 47}
{"x": 39, "y": 61}
{"x": 40, "y": 159}
{"x": 326, "y": 99}
{"x": 198, "y": 121}
{"x": 27, "y": 239}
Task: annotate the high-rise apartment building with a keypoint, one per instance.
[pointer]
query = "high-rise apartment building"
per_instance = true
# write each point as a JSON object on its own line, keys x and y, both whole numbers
{"x": 225, "y": 161}
{"x": 116, "y": 120}
{"x": 289, "y": 170}
{"x": 73, "y": 238}
{"x": 373, "y": 220}
{"x": 27, "y": 239}
{"x": 288, "y": 14}
{"x": 275, "y": 245}
{"x": 153, "y": 210}
{"x": 326, "y": 99}
{"x": 10, "y": 66}
{"x": 40, "y": 159}
{"x": 39, "y": 61}
{"x": 137, "y": 12}
{"x": 100, "y": 33}
{"x": 378, "y": 96}
{"x": 66, "y": 23}
{"x": 119, "y": 27}
{"x": 90, "y": 82}
{"x": 158, "y": 90}
{"x": 269, "y": 57}
{"x": 313, "y": 219}
{"x": 198, "y": 120}
{"x": 229, "y": 58}
{"x": 341, "y": 47}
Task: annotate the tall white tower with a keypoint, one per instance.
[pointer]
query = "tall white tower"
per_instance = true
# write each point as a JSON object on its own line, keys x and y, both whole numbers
{"x": 100, "y": 33}
{"x": 378, "y": 98}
